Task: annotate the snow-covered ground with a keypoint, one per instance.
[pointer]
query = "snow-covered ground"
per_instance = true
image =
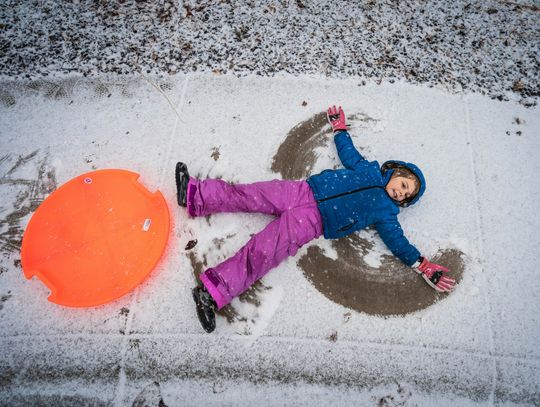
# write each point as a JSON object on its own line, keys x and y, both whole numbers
{"x": 488, "y": 46}
{"x": 289, "y": 342}
{"x": 237, "y": 89}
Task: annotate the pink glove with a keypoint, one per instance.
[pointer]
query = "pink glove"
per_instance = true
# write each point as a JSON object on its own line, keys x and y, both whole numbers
{"x": 336, "y": 118}
{"x": 435, "y": 276}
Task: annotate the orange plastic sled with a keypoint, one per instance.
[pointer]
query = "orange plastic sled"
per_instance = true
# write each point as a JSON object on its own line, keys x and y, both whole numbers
{"x": 95, "y": 238}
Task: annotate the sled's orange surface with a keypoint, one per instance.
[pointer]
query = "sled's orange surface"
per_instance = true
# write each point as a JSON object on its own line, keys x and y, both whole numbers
{"x": 95, "y": 238}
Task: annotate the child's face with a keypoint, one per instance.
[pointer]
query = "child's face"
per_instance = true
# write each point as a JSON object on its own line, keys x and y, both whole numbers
{"x": 400, "y": 188}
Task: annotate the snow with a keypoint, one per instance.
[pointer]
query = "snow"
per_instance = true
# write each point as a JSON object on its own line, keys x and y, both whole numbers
{"x": 478, "y": 346}
{"x": 489, "y": 47}
{"x": 220, "y": 85}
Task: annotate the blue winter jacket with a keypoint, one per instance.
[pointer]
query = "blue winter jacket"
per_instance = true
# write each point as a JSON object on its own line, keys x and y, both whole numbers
{"x": 355, "y": 197}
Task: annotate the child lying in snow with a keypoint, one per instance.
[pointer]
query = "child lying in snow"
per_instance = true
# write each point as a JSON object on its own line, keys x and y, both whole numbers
{"x": 334, "y": 203}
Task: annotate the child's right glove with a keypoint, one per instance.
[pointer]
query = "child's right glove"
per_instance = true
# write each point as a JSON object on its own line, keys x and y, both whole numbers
{"x": 435, "y": 275}
{"x": 336, "y": 118}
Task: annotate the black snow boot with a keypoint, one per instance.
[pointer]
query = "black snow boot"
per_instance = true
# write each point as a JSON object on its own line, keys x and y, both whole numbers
{"x": 206, "y": 308}
{"x": 182, "y": 178}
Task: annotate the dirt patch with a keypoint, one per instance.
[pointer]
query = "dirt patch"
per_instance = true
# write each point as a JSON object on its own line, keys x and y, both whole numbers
{"x": 28, "y": 194}
{"x": 3, "y": 299}
{"x": 150, "y": 396}
{"x": 197, "y": 265}
{"x": 215, "y": 153}
{"x": 296, "y": 155}
{"x": 7, "y": 98}
{"x": 396, "y": 398}
{"x": 391, "y": 288}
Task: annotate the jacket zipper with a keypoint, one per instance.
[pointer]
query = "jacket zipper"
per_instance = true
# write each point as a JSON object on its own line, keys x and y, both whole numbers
{"x": 348, "y": 193}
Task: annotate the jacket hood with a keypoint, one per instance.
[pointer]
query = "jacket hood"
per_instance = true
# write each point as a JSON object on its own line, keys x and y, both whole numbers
{"x": 388, "y": 168}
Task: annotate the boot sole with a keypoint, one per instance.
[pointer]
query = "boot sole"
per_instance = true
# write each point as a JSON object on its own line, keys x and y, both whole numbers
{"x": 180, "y": 177}
{"x": 208, "y": 324}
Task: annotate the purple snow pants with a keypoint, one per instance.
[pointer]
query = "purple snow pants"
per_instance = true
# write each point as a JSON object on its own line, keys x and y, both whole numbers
{"x": 297, "y": 222}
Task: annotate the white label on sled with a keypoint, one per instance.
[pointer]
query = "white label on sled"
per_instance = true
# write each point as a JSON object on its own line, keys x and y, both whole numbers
{"x": 147, "y": 224}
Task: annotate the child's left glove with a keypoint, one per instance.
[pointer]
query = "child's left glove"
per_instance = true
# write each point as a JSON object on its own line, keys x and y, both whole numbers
{"x": 435, "y": 276}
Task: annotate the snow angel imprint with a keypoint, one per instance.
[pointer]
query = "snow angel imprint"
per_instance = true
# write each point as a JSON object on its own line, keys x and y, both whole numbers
{"x": 333, "y": 204}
